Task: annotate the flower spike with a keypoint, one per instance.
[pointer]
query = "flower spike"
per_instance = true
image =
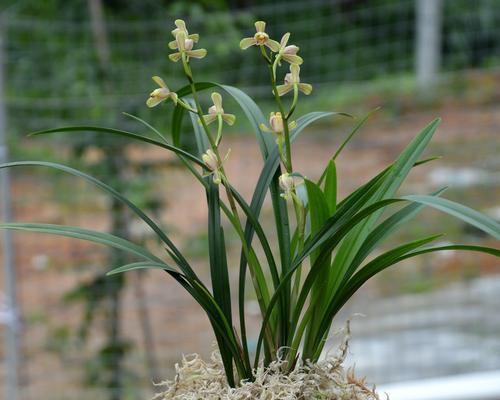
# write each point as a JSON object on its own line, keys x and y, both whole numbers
{"x": 160, "y": 94}
{"x": 185, "y": 45}
{"x": 181, "y": 26}
{"x": 261, "y": 38}
{"x": 216, "y": 110}
{"x": 292, "y": 79}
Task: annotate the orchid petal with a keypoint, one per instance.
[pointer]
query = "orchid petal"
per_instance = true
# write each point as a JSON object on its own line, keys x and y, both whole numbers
{"x": 217, "y": 99}
{"x": 292, "y": 49}
{"x": 199, "y": 53}
{"x": 273, "y": 45}
{"x": 292, "y": 59}
{"x": 172, "y": 45}
{"x": 229, "y": 118}
{"x": 209, "y": 118}
{"x": 180, "y": 24}
{"x": 180, "y": 38}
{"x": 153, "y": 101}
{"x": 174, "y": 97}
{"x": 284, "y": 89}
{"x": 305, "y": 88}
{"x": 295, "y": 72}
{"x": 194, "y": 37}
{"x": 175, "y": 56}
{"x": 260, "y": 26}
{"x": 160, "y": 82}
{"x": 247, "y": 42}
{"x": 284, "y": 40}
{"x": 265, "y": 128}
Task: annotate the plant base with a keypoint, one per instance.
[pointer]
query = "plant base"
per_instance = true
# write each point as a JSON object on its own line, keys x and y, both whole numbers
{"x": 325, "y": 380}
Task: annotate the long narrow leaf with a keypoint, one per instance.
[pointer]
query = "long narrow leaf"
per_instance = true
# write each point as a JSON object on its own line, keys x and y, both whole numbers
{"x": 142, "y": 265}
{"x": 97, "y": 129}
{"x": 85, "y": 234}
{"x": 182, "y": 262}
{"x": 466, "y": 214}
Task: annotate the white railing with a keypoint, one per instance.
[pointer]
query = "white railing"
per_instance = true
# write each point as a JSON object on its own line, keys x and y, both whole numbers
{"x": 477, "y": 386}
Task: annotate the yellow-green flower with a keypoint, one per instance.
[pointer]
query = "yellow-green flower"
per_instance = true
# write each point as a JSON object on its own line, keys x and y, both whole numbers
{"x": 212, "y": 162}
{"x": 288, "y": 53}
{"x": 261, "y": 38}
{"x": 292, "y": 79}
{"x": 216, "y": 110}
{"x": 181, "y": 26}
{"x": 276, "y": 124}
{"x": 161, "y": 94}
{"x": 185, "y": 45}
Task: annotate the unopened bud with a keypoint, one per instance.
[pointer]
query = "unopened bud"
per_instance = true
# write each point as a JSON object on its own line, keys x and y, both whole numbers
{"x": 286, "y": 183}
{"x": 210, "y": 159}
{"x": 276, "y": 122}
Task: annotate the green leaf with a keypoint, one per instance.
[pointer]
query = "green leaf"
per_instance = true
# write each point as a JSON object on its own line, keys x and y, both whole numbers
{"x": 318, "y": 208}
{"x": 217, "y": 254}
{"x": 331, "y": 187}
{"x": 148, "y": 125}
{"x": 357, "y": 127}
{"x": 466, "y": 214}
{"x": 395, "y": 177}
{"x": 142, "y": 265}
{"x": 383, "y": 230}
{"x": 85, "y": 234}
{"x": 181, "y": 261}
{"x": 97, "y": 129}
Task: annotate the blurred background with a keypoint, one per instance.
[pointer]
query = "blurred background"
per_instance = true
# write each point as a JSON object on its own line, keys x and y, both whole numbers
{"x": 71, "y": 333}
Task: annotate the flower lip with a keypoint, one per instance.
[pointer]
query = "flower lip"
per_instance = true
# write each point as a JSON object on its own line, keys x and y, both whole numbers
{"x": 188, "y": 44}
{"x": 261, "y": 38}
{"x": 292, "y": 49}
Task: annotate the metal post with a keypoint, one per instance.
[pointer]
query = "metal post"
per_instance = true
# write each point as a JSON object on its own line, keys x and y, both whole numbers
{"x": 428, "y": 44}
{"x": 11, "y": 342}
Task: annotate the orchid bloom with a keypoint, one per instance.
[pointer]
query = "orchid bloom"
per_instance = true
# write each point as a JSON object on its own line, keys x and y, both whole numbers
{"x": 276, "y": 124}
{"x": 261, "y": 38}
{"x": 216, "y": 110}
{"x": 160, "y": 94}
{"x": 181, "y": 26}
{"x": 212, "y": 162}
{"x": 292, "y": 80}
{"x": 288, "y": 53}
{"x": 185, "y": 45}
{"x": 287, "y": 184}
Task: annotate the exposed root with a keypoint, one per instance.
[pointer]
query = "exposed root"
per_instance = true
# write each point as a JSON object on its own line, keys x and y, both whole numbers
{"x": 197, "y": 379}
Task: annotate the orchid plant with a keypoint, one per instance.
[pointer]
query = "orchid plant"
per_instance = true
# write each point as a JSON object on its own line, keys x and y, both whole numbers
{"x": 327, "y": 247}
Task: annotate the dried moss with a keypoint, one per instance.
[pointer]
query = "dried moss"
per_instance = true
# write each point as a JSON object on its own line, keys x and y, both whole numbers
{"x": 326, "y": 380}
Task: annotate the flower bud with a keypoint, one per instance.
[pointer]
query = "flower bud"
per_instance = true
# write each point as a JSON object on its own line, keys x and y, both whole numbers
{"x": 286, "y": 182}
{"x": 287, "y": 185}
{"x": 210, "y": 159}
{"x": 276, "y": 122}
